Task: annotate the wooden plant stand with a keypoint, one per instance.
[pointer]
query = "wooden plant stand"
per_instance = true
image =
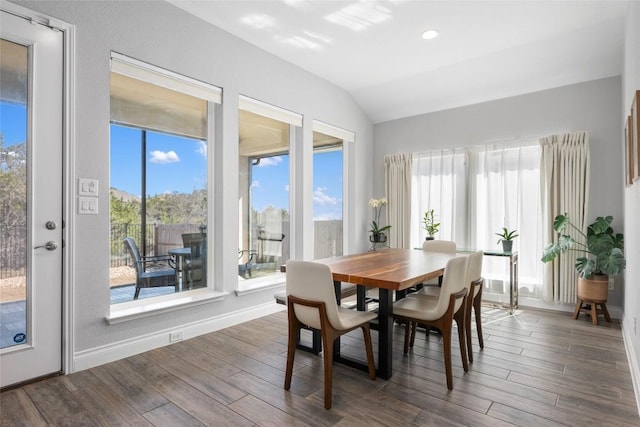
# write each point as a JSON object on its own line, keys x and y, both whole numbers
{"x": 597, "y": 308}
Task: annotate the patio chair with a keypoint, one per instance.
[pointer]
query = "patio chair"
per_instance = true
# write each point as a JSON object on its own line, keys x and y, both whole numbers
{"x": 160, "y": 275}
{"x": 195, "y": 265}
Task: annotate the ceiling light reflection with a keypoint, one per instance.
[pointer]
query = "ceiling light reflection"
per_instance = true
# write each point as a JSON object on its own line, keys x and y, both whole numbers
{"x": 359, "y": 16}
{"x": 258, "y": 21}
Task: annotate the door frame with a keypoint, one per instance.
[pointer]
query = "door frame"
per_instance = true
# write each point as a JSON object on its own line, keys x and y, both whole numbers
{"x": 68, "y": 171}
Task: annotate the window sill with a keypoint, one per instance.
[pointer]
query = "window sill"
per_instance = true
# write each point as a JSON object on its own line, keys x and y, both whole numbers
{"x": 133, "y": 310}
{"x": 247, "y": 287}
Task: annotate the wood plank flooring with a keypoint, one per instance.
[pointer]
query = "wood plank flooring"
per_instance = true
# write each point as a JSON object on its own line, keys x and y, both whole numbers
{"x": 538, "y": 368}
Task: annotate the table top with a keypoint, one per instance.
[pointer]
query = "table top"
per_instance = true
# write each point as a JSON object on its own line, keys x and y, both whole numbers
{"x": 179, "y": 251}
{"x": 394, "y": 269}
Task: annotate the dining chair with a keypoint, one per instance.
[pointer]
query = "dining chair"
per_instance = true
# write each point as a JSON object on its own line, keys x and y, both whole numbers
{"x": 195, "y": 264}
{"x": 311, "y": 302}
{"x": 440, "y": 246}
{"x": 473, "y": 301}
{"x": 156, "y": 277}
{"x": 440, "y": 312}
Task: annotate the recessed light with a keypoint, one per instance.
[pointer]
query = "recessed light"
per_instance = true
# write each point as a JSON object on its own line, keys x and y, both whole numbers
{"x": 430, "y": 34}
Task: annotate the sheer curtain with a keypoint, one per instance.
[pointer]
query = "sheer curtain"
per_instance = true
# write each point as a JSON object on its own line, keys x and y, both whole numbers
{"x": 440, "y": 183}
{"x": 565, "y": 183}
{"x": 397, "y": 187}
{"x": 504, "y": 191}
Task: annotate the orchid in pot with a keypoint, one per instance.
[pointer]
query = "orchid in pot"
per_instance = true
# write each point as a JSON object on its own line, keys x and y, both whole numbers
{"x": 377, "y": 231}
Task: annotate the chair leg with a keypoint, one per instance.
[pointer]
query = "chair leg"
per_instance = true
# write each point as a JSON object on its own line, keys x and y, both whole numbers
{"x": 467, "y": 326}
{"x": 477, "y": 308}
{"x": 294, "y": 331}
{"x": 414, "y": 325}
{"x": 446, "y": 341}
{"x": 328, "y": 340}
{"x": 366, "y": 331}
{"x": 459, "y": 317}
{"x": 137, "y": 293}
{"x": 407, "y": 335}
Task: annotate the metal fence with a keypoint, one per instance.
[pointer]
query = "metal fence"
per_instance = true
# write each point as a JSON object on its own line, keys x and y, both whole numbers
{"x": 160, "y": 238}
{"x": 13, "y": 251}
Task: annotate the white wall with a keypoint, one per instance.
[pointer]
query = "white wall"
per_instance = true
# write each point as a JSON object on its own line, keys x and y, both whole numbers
{"x": 163, "y": 35}
{"x": 593, "y": 106}
{"x": 630, "y": 84}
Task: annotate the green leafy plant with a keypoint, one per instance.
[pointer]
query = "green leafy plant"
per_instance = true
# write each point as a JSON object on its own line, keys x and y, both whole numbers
{"x": 603, "y": 251}
{"x": 429, "y": 222}
{"x": 506, "y": 234}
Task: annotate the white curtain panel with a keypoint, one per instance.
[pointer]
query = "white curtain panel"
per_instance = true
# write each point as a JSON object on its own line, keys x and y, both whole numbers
{"x": 504, "y": 192}
{"x": 565, "y": 189}
{"x": 397, "y": 186}
{"x": 440, "y": 183}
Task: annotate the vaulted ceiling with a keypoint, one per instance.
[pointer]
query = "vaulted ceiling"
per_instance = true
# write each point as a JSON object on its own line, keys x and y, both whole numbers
{"x": 485, "y": 50}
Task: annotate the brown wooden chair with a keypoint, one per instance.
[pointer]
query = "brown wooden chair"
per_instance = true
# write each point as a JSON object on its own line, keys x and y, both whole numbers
{"x": 154, "y": 277}
{"x": 473, "y": 303}
{"x": 440, "y": 312}
{"x": 311, "y": 302}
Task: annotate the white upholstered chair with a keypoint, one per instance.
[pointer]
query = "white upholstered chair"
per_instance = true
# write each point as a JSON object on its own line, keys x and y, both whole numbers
{"x": 311, "y": 302}
{"x": 473, "y": 301}
{"x": 440, "y": 312}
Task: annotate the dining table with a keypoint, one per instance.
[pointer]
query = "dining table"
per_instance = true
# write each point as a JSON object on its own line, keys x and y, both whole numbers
{"x": 392, "y": 271}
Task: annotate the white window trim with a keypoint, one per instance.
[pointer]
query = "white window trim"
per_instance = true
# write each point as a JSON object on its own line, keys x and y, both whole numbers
{"x": 139, "y": 70}
{"x": 270, "y": 111}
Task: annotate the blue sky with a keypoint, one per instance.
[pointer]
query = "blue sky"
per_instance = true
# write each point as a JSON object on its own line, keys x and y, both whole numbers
{"x": 176, "y": 164}
{"x": 13, "y": 123}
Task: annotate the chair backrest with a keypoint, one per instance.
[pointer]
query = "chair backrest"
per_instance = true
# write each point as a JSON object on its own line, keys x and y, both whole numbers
{"x": 195, "y": 242}
{"x": 443, "y": 246}
{"x": 475, "y": 268}
{"x": 312, "y": 281}
{"x": 131, "y": 246}
{"x": 454, "y": 280}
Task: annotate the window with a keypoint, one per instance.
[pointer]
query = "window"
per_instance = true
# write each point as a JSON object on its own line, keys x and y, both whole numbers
{"x": 327, "y": 196}
{"x": 477, "y": 191}
{"x": 265, "y": 135}
{"x": 159, "y": 140}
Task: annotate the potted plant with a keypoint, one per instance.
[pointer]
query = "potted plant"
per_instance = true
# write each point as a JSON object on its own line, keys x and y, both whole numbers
{"x": 506, "y": 237}
{"x": 377, "y": 232}
{"x": 430, "y": 224}
{"x": 602, "y": 255}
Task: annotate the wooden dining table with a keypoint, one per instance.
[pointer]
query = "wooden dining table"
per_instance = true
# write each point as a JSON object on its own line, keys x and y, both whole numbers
{"x": 389, "y": 270}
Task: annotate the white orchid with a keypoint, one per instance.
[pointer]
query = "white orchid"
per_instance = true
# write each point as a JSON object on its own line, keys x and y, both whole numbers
{"x": 376, "y": 205}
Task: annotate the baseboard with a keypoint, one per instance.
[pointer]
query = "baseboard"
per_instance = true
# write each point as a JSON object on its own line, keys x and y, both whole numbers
{"x": 91, "y": 358}
{"x": 634, "y": 363}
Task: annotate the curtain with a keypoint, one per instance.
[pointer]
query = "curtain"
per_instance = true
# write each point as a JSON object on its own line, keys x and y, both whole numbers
{"x": 397, "y": 187}
{"x": 440, "y": 183}
{"x": 565, "y": 189}
{"x": 504, "y": 191}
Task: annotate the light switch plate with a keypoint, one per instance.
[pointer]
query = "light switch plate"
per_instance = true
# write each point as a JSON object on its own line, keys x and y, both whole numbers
{"x": 87, "y": 187}
{"x": 88, "y": 205}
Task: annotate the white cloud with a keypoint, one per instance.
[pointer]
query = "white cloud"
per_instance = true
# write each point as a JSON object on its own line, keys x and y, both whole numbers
{"x": 286, "y": 188}
{"x": 321, "y": 198}
{"x": 255, "y": 184}
{"x": 202, "y": 148}
{"x": 164, "y": 157}
{"x": 269, "y": 161}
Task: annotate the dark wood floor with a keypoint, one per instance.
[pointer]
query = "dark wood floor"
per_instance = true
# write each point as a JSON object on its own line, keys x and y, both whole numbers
{"x": 537, "y": 369}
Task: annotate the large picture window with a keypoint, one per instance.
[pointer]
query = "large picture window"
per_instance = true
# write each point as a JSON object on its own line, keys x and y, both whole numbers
{"x": 159, "y": 140}
{"x": 265, "y": 136}
{"x": 475, "y": 192}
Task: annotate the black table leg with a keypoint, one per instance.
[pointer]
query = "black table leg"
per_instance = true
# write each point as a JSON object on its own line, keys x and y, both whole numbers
{"x": 385, "y": 334}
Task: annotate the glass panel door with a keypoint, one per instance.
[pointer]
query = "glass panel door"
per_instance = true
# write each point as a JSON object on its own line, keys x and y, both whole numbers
{"x": 13, "y": 194}
{"x": 31, "y": 177}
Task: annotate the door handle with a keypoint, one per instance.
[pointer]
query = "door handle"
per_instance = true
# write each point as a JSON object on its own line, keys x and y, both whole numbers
{"x": 50, "y": 246}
